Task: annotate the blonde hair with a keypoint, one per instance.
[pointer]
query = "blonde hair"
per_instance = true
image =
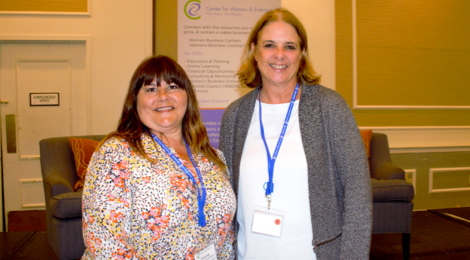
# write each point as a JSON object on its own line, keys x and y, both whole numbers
{"x": 249, "y": 75}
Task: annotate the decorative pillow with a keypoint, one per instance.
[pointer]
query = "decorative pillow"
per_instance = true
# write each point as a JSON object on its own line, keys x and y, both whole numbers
{"x": 366, "y": 136}
{"x": 82, "y": 149}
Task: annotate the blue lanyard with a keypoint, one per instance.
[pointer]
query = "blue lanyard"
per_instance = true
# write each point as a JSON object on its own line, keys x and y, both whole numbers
{"x": 201, "y": 193}
{"x": 269, "y": 186}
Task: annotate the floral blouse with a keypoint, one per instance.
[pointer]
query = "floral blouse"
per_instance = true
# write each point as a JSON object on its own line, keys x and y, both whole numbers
{"x": 135, "y": 209}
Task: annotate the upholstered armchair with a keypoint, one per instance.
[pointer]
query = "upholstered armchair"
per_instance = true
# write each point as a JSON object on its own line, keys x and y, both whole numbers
{"x": 63, "y": 204}
{"x": 392, "y": 195}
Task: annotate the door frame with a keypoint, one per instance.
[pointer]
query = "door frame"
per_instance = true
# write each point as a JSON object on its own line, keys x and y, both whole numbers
{"x": 88, "y": 84}
{"x": 63, "y": 39}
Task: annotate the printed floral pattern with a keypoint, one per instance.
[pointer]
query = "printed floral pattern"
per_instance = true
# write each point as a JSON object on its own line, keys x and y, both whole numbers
{"x": 133, "y": 209}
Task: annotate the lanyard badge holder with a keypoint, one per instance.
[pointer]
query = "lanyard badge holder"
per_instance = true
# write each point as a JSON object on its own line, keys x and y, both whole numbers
{"x": 207, "y": 252}
{"x": 268, "y": 221}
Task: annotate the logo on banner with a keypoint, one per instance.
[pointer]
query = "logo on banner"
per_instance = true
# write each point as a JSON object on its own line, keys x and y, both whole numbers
{"x": 192, "y": 8}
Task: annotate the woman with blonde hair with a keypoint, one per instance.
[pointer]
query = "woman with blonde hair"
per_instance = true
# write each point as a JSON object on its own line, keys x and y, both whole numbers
{"x": 297, "y": 159}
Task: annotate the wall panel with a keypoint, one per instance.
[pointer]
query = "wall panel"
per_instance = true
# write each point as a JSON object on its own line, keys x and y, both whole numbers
{"x": 412, "y": 53}
{"x": 60, "y": 6}
{"x": 404, "y": 69}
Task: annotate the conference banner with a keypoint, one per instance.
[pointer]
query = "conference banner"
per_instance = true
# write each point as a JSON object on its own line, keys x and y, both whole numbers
{"x": 211, "y": 38}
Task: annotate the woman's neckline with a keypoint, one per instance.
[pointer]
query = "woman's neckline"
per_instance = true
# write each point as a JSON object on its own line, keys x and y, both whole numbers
{"x": 277, "y": 99}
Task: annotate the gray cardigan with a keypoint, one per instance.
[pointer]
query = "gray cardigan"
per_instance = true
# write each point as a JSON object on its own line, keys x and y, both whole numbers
{"x": 338, "y": 171}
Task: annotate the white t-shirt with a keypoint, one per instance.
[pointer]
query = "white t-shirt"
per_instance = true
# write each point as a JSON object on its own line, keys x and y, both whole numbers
{"x": 290, "y": 188}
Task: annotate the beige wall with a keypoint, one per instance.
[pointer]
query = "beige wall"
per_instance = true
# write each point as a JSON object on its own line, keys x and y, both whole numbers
{"x": 318, "y": 18}
{"x": 118, "y": 35}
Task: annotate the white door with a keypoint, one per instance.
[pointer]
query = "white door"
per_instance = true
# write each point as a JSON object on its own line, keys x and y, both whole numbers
{"x": 43, "y": 94}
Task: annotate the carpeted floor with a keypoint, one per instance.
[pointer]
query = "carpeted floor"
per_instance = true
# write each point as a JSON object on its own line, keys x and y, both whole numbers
{"x": 442, "y": 234}
{"x": 27, "y": 220}
{"x": 439, "y": 234}
{"x": 461, "y": 215}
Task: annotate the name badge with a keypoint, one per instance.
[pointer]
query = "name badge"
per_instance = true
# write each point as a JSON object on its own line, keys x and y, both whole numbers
{"x": 207, "y": 253}
{"x": 268, "y": 221}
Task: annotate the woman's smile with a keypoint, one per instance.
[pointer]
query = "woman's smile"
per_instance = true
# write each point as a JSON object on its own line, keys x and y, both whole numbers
{"x": 162, "y": 108}
{"x": 279, "y": 67}
{"x": 278, "y": 54}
